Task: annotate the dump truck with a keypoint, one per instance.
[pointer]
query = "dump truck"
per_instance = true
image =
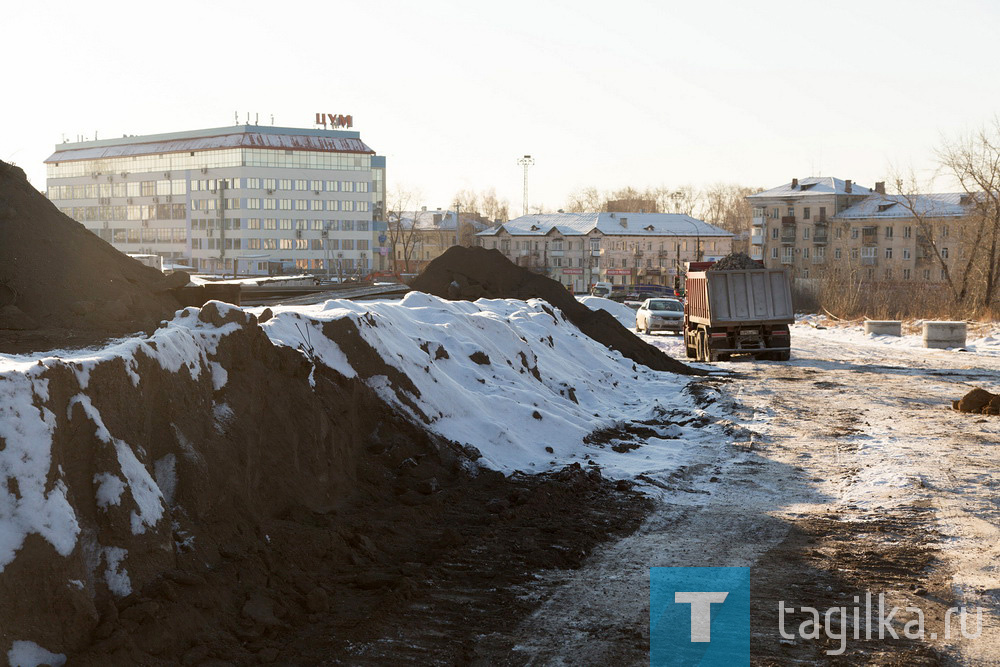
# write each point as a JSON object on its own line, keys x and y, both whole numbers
{"x": 741, "y": 311}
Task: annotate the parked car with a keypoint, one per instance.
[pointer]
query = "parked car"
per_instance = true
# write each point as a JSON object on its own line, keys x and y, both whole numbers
{"x": 636, "y": 299}
{"x": 662, "y": 314}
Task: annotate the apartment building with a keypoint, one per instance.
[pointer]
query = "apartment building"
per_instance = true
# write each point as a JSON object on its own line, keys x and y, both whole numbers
{"x": 419, "y": 237}
{"x": 250, "y": 199}
{"x": 815, "y": 225}
{"x": 579, "y": 249}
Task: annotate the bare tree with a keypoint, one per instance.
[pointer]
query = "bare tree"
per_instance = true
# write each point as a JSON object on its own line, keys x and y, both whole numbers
{"x": 402, "y": 229}
{"x": 585, "y": 200}
{"x": 726, "y": 205}
{"x": 974, "y": 161}
{"x": 485, "y": 205}
{"x": 493, "y": 208}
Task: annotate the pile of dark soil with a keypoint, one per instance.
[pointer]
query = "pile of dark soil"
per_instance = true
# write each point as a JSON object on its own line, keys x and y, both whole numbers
{"x": 304, "y": 518}
{"x": 56, "y": 277}
{"x": 736, "y": 261}
{"x": 978, "y": 401}
{"x": 474, "y": 273}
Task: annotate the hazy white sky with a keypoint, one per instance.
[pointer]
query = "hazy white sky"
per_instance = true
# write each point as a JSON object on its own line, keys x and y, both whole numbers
{"x": 609, "y": 94}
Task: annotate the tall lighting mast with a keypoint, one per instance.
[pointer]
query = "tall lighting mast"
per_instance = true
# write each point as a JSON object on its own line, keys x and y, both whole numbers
{"x": 525, "y": 162}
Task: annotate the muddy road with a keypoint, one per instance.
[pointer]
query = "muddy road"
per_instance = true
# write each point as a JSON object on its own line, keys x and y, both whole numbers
{"x": 845, "y": 473}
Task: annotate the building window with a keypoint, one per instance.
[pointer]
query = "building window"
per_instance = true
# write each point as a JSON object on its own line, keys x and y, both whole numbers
{"x": 888, "y": 253}
{"x": 805, "y": 213}
{"x": 854, "y": 232}
{"x": 888, "y": 231}
{"x": 906, "y": 274}
{"x": 775, "y": 213}
{"x": 774, "y": 253}
{"x": 805, "y": 232}
{"x": 944, "y": 253}
{"x": 906, "y": 232}
{"x": 927, "y": 274}
{"x": 774, "y": 233}
{"x": 837, "y": 254}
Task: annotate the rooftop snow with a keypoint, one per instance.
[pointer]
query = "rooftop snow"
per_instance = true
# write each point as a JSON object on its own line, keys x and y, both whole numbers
{"x": 628, "y": 224}
{"x": 814, "y": 186}
{"x": 424, "y": 220}
{"x": 904, "y": 206}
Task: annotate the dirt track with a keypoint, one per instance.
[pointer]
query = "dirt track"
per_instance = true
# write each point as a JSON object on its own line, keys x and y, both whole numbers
{"x": 854, "y": 477}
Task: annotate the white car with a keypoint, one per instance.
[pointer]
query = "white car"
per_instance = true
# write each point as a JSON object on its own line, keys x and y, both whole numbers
{"x": 660, "y": 315}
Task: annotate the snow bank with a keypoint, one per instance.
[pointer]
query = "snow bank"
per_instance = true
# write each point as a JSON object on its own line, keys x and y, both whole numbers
{"x": 513, "y": 379}
{"x": 621, "y": 312}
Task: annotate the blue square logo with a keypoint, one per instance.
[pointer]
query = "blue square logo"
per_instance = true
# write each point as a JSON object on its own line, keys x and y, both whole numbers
{"x": 699, "y": 616}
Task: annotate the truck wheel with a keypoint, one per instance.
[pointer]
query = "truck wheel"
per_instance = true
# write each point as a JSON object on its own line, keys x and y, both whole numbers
{"x": 783, "y": 355}
{"x": 702, "y": 346}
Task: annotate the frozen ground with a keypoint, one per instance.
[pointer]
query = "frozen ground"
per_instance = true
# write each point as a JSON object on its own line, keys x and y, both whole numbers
{"x": 849, "y": 474}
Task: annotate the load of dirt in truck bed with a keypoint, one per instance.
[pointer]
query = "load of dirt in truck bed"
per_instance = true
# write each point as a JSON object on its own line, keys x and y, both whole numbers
{"x": 736, "y": 261}
{"x": 56, "y": 277}
{"x": 978, "y": 401}
{"x": 478, "y": 273}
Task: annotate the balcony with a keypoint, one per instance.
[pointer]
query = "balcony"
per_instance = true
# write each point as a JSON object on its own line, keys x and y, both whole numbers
{"x": 756, "y": 238}
{"x": 556, "y": 253}
{"x": 786, "y": 237}
{"x": 757, "y": 253}
{"x": 786, "y": 259}
{"x": 759, "y": 221}
{"x": 869, "y": 236}
{"x": 595, "y": 253}
{"x": 869, "y": 261}
{"x": 820, "y": 259}
{"x": 820, "y": 238}
{"x": 788, "y": 220}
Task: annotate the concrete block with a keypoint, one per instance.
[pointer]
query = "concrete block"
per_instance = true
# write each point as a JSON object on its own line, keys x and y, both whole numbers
{"x": 943, "y": 335}
{"x": 884, "y": 327}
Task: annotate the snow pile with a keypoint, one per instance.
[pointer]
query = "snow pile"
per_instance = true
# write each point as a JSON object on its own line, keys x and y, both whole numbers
{"x": 512, "y": 378}
{"x": 620, "y": 311}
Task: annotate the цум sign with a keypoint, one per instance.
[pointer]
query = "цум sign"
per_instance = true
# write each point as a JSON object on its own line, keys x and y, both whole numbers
{"x": 334, "y": 120}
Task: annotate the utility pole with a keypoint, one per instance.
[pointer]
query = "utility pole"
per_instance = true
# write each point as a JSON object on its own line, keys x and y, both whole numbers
{"x": 525, "y": 162}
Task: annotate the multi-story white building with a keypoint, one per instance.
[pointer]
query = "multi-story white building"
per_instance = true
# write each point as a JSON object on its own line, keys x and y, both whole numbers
{"x": 249, "y": 199}
{"x": 579, "y": 249}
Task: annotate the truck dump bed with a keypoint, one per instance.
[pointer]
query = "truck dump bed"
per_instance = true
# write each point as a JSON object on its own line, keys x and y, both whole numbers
{"x": 746, "y": 296}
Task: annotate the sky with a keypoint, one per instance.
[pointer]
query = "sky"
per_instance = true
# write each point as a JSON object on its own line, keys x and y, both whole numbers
{"x": 605, "y": 94}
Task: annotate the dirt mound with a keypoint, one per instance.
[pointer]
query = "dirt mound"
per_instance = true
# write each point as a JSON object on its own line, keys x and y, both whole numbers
{"x": 978, "y": 401}
{"x": 474, "y": 273}
{"x": 736, "y": 261}
{"x": 54, "y": 274}
{"x": 252, "y": 507}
